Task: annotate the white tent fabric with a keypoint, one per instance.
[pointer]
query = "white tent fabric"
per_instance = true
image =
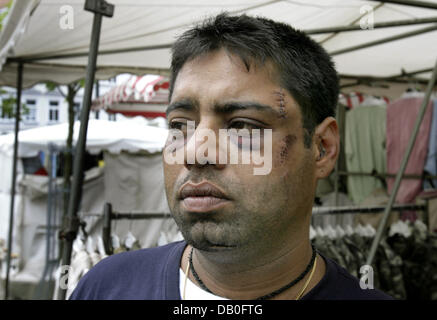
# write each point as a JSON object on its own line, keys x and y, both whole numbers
{"x": 132, "y": 180}
{"x": 145, "y": 96}
{"x": 14, "y": 26}
{"x": 114, "y": 136}
{"x": 153, "y": 24}
{"x": 133, "y": 136}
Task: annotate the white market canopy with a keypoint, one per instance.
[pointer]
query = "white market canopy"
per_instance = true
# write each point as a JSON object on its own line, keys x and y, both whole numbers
{"x": 145, "y": 96}
{"x": 137, "y": 38}
{"x": 132, "y": 135}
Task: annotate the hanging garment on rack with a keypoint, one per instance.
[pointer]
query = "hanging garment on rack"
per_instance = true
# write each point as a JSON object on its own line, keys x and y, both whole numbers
{"x": 371, "y": 101}
{"x": 417, "y": 248}
{"x": 351, "y": 100}
{"x": 329, "y": 200}
{"x": 432, "y": 240}
{"x": 431, "y": 158}
{"x": 345, "y": 252}
{"x": 416, "y": 251}
{"x": 405, "y": 264}
{"x": 80, "y": 264}
{"x": 358, "y": 257}
{"x": 389, "y": 266}
{"x": 365, "y": 149}
{"x": 377, "y": 197}
{"x": 430, "y": 196}
{"x": 401, "y": 117}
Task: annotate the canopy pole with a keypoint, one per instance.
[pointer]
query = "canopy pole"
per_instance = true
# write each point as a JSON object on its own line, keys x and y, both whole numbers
{"x": 378, "y": 25}
{"x": 420, "y": 116}
{"x": 418, "y": 4}
{"x": 14, "y": 176}
{"x": 99, "y": 8}
{"x": 30, "y": 59}
{"x": 403, "y": 74}
{"x": 96, "y": 113}
{"x": 385, "y": 40}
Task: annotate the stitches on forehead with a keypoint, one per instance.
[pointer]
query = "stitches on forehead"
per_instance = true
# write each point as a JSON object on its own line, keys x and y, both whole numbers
{"x": 280, "y": 101}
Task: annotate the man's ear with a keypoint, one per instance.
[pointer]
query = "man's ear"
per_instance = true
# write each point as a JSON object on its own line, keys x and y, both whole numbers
{"x": 326, "y": 141}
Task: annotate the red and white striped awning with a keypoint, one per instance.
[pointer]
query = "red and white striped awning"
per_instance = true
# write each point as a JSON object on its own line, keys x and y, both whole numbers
{"x": 138, "y": 96}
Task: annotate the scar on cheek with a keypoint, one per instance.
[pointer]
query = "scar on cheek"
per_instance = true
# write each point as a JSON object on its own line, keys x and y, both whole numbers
{"x": 286, "y": 144}
{"x": 280, "y": 101}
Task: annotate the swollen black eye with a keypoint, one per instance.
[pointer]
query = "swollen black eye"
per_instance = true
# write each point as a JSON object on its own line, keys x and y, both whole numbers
{"x": 238, "y": 125}
{"x": 178, "y": 125}
{"x": 243, "y": 125}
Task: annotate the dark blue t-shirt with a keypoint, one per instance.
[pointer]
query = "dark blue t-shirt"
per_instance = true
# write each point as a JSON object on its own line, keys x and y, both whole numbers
{"x": 153, "y": 274}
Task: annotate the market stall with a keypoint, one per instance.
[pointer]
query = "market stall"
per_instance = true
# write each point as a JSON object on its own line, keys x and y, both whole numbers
{"x": 380, "y": 47}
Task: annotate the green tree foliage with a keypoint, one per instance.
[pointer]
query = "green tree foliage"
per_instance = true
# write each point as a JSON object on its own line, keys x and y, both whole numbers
{"x": 8, "y": 103}
{"x": 4, "y": 13}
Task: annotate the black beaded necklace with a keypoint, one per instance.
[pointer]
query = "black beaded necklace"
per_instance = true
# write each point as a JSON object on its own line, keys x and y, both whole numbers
{"x": 267, "y": 296}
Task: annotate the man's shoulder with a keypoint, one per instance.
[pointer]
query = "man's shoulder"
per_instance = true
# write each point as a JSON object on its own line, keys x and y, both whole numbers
{"x": 124, "y": 275}
{"x": 350, "y": 287}
{"x": 136, "y": 258}
{"x": 339, "y": 284}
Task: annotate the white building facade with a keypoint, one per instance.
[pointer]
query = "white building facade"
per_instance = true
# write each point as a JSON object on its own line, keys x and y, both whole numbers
{"x": 49, "y": 107}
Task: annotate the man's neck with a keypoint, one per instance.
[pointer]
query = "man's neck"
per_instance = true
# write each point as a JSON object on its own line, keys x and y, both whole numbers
{"x": 251, "y": 280}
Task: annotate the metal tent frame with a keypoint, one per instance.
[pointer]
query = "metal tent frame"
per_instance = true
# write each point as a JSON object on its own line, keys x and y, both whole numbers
{"x": 14, "y": 176}
{"x": 101, "y": 8}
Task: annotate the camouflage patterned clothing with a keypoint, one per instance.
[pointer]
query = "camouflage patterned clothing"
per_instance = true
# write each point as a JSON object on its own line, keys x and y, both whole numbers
{"x": 404, "y": 267}
{"x": 389, "y": 266}
{"x": 358, "y": 256}
{"x": 432, "y": 240}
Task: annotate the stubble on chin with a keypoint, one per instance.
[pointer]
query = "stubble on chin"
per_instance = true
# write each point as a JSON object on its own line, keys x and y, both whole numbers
{"x": 208, "y": 234}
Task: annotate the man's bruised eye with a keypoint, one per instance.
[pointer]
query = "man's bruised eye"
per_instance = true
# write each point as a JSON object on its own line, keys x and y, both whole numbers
{"x": 242, "y": 132}
{"x": 244, "y": 124}
{"x": 178, "y": 125}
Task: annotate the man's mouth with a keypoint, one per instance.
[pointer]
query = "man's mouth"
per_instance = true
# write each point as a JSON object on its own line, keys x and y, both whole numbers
{"x": 202, "y": 197}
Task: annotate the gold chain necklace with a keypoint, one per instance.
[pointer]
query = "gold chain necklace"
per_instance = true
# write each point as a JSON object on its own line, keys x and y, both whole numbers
{"x": 308, "y": 281}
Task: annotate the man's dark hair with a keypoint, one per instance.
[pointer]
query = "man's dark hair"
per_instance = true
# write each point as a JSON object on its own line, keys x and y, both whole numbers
{"x": 304, "y": 68}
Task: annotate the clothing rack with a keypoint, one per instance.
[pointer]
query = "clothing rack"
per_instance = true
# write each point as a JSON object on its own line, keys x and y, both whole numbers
{"x": 368, "y": 209}
{"x": 109, "y": 215}
{"x": 386, "y": 175}
{"x": 320, "y": 211}
{"x": 340, "y": 167}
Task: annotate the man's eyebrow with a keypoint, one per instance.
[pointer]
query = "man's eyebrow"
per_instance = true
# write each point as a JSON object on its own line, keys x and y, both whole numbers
{"x": 233, "y": 106}
{"x": 184, "y": 104}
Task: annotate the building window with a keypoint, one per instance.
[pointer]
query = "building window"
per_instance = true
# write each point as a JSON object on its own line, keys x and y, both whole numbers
{"x": 54, "y": 111}
{"x": 31, "y": 110}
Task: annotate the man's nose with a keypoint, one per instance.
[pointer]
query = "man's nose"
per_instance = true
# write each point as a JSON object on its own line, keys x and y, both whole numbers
{"x": 203, "y": 146}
